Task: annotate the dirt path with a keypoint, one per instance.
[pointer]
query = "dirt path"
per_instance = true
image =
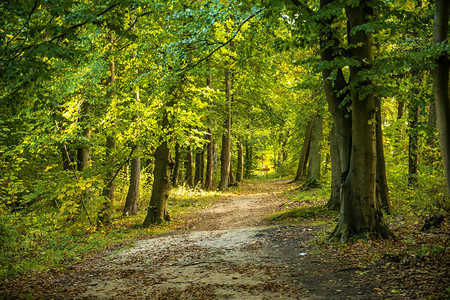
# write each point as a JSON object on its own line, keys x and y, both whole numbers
{"x": 227, "y": 251}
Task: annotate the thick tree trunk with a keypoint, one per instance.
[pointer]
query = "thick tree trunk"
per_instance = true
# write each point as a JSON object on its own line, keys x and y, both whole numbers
{"x": 225, "y": 157}
{"x": 133, "y": 188}
{"x": 189, "y": 178}
{"x": 240, "y": 162}
{"x": 176, "y": 167}
{"x": 334, "y": 202}
{"x": 199, "y": 167}
{"x": 313, "y": 177}
{"x": 157, "y": 209}
{"x": 209, "y": 161}
{"x": 304, "y": 154}
{"x": 361, "y": 216}
{"x": 440, "y": 84}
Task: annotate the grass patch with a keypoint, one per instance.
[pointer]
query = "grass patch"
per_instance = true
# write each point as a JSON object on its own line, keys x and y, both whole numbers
{"x": 297, "y": 214}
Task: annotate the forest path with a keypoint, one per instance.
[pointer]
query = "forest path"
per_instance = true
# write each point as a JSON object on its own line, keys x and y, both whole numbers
{"x": 227, "y": 251}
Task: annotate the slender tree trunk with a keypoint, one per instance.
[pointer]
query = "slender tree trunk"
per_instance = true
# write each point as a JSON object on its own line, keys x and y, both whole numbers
{"x": 304, "y": 154}
{"x": 108, "y": 190}
{"x": 199, "y": 167}
{"x": 361, "y": 215}
{"x": 248, "y": 162}
{"x": 189, "y": 178}
{"x": 313, "y": 177}
{"x": 240, "y": 162}
{"x": 334, "y": 203}
{"x": 225, "y": 157}
{"x": 413, "y": 144}
{"x": 83, "y": 155}
{"x": 381, "y": 165}
{"x": 440, "y": 84}
{"x": 176, "y": 167}
{"x": 209, "y": 161}
{"x": 133, "y": 188}
{"x": 431, "y": 140}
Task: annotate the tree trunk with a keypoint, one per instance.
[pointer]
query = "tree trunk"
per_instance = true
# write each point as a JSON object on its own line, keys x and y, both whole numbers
{"x": 83, "y": 151}
{"x": 176, "y": 167}
{"x": 313, "y": 177}
{"x": 381, "y": 165}
{"x": 240, "y": 162}
{"x": 209, "y": 161}
{"x": 189, "y": 178}
{"x": 157, "y": 209}
{"x": 440, "y": 84}
{"x": 248, "y": 163}
{"x": 334, "y": 202}
{"x": 304, "y": 154}
{"x": 108, "y": 190}
{"x": 133, "y": 188}
{"x": 361, "y": 216}
{"x": 199, "y": 167}
{"x": 431, "y": 140}
{"x": 225, "y": 157}
{"x": 413, "y": 141}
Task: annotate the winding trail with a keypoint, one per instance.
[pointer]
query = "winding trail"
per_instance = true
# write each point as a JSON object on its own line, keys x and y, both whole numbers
{"x": 227, "y": 251}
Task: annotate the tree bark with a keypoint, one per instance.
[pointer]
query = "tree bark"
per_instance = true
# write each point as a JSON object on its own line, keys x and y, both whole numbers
{"x": 176, "y": 167}
{"x": 199, "y": 167}
{"x": 225, "y": 157}
{"x": 304, "y": 154}
{"x": 334, "y": 202}
{"x": 157, "y": 209}
{"x": 240, "y": 162}
{"x": 189, "y": 178}
{"x": 248, "y": 162}
{"x": 413, "y": 141}
{"x": 361, "y": 215}
{"x": 83, "y": 155}
{"x": 440, "y": 84}
{"x": 381, "y": 164}
{"x": 133, "y": 188}
{"x": 313, "y": 177}
{"x": 209, "y": 161}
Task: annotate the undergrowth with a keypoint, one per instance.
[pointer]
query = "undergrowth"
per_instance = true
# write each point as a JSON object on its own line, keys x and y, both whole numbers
{"x": 34, "y": 240}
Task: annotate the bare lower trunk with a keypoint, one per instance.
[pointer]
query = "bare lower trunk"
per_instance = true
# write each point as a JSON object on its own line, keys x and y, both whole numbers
{"x": 199, "y": 167}
{"x": 176, "y": 167}
{"x": 209, "y": 162}
{"x": 313, "y": 177}
{"x": 133, "y": 188}
{"x": 334, "y": 201}
{"x": 361, "y": 216}
{"x": 189, "y": 178}
{"x": 83, "y": 151}
{"x": 440, "y": 85}
{"x": 381, "y": 165}
{"x": 108, "y": 190}
{"x": 157, "y": 209}
{"x": 225, "y": 157}
{"x": 304, "y": 154}
{"x": 413, "y": 145}
{"x": 240, "y": 162}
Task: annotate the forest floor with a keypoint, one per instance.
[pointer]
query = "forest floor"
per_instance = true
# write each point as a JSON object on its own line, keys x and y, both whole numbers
{"x": 234, "y": 250}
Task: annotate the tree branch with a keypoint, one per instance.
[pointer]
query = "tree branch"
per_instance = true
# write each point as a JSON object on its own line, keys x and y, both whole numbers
{"x": 183, "y": 71}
